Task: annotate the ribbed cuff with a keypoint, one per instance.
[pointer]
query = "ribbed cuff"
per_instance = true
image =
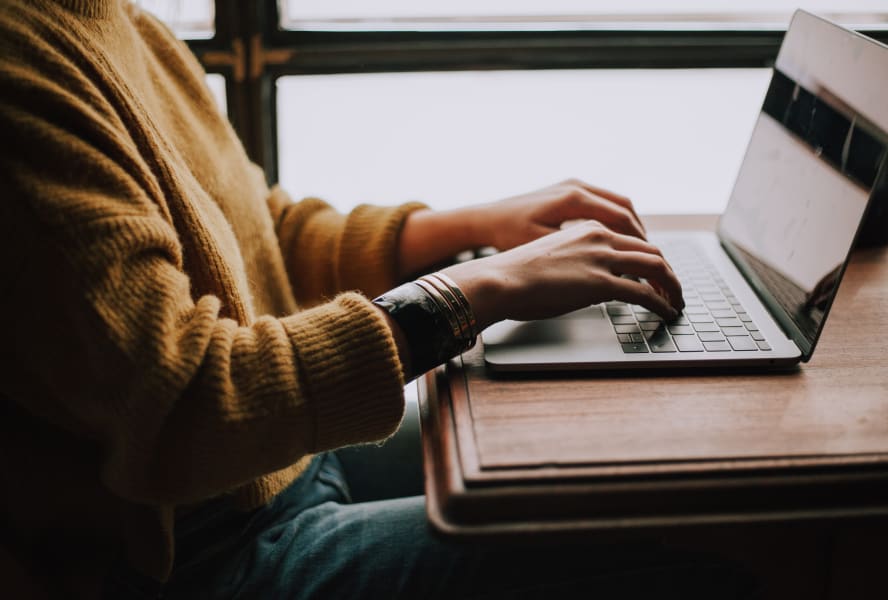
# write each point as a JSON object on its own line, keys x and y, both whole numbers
{"x": 349, "y": 362}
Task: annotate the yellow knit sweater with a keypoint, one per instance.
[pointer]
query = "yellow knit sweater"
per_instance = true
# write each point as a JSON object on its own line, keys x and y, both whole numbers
{"x": 153, "y": 353}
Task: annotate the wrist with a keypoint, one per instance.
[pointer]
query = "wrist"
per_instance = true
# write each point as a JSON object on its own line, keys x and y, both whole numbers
{"x": 430, "y": 237}
{"x": 484, "y": 288}
{"x": 473, "y": 223}
{"x": 431, "y": 321}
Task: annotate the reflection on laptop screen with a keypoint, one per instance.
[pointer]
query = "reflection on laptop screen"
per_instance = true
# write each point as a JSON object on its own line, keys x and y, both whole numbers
{"x": 815, "y": 156}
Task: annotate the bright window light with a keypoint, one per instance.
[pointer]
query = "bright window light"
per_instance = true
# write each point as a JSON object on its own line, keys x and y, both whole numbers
{"x": 672, "y": 140}
{"x": 570, "y": 14}
{"x": 191, "y": 19}
{"x": 217, "y": 86}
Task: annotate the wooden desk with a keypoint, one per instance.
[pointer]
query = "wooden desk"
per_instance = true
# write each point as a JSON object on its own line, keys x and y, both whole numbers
{"x": 621, "y": 453}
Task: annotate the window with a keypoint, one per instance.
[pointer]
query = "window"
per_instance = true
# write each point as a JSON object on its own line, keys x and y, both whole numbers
{"x": 670, "y": 139}
{"x": 390, "y": 15}
{"x": 189, "y": 20}
{"x": 470, "y": 100}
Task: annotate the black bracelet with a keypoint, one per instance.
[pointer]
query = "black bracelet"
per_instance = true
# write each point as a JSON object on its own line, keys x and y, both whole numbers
{"x": 426, "y": 326}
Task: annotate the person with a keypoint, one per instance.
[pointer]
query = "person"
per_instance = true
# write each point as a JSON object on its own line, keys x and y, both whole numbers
{"x": 185, "y": 347}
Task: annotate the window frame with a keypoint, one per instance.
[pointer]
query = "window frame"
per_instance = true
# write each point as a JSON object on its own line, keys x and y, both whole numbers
{"x": 251, "y": 50}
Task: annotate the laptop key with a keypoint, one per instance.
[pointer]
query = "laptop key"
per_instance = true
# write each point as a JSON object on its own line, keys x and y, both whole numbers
{"x": 757, "y": 336}
{"x": 718, "y": 305}
{"x": 733, "y": 322}
{"x": 699, "y": 319}
{"x": 618, "y": 309}
{"x": 731, "y": 331}
{"x": 717, "y": 346}
{"x": 706, "y": 327}
{"x": 623, "y": 320}
{"x": 648, "y": 316}
{"x": 711, "y": 336}
{"x": 634, "y": 348}
{"x": 750, "y": 326}
{"x": 687, "y": 343}
{"x": 681, "y": 329}
{"x": 695, "y": 309}
{"x": 661, "y": 342}
{"x": 722, "y": 314}
{"x": 626, "y": 329}
{"x": 744, "y": 317}
{"x": 650, "y": 325}
{"x": 742, "y": 343}
{"x": 763, "y": 345}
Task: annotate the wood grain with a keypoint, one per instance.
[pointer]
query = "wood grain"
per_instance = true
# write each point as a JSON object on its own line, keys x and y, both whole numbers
{"x": 787, "y": 472}
{"x": 834, "y": 407}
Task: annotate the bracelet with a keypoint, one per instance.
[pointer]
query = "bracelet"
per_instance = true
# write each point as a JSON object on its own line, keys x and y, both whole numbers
{"x": 472, "y": 328}
{"x": 449, "y": 313}
{"x": 435, "y": 317}
{"x": 457, "y": 304}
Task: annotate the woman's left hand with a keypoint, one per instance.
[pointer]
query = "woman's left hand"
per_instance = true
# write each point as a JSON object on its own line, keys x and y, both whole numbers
{"x": 429, "y": 236}
{"x": 521, "y": 219}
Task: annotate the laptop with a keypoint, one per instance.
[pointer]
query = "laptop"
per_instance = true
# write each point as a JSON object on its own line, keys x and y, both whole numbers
{"x": 759, "y": 289}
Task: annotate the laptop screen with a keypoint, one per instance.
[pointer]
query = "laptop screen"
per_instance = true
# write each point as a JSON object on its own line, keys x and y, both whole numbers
{"x": 818, "y": 151}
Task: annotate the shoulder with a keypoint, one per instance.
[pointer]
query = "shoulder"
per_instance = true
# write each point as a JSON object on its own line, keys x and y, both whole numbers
{"x": 162, "y": 42}
{"x": 66, "y": 142}
{"x": 43, "y": 53}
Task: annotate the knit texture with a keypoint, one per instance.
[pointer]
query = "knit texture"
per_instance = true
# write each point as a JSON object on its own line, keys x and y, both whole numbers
{"x": 155, "y": 355}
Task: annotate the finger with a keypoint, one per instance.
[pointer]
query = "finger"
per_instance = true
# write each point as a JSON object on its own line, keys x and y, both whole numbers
{"x": 609, "y": 195}
{"x": 653, "y": 268}
{"x": 612, "y": 215}
{"x": 636, "y": 292}
{"x": 633, "y": 243}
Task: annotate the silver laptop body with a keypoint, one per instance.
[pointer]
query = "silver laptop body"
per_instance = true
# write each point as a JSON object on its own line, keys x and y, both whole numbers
{"x": 759, "y": 289}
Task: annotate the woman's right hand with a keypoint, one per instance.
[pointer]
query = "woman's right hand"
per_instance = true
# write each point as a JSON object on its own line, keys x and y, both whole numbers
{"x": 567, "y": 270}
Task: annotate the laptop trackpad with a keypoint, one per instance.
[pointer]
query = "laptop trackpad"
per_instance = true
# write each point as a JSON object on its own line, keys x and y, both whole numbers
{"x": 583, "y": 325}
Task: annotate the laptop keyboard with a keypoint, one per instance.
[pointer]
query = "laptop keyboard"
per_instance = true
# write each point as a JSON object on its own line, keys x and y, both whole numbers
{"x": 713, "y": 319}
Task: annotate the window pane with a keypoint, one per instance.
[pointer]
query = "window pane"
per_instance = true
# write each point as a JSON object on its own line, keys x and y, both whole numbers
{"x": 670, "y": 139}
{"x": 569, "y": 14}
{"x": 217, "y": 86}
{"x": 189, "y": 19}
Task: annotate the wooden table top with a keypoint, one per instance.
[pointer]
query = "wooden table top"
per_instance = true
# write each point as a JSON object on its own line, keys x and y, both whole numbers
{"x": 826, "y": 419}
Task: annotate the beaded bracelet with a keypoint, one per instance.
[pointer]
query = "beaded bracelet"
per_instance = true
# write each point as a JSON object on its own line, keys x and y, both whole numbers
{"x": 435, "y": 317}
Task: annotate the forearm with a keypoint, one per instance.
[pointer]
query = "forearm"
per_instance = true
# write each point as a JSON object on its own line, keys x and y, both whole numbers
{"x": 264, "y": 396}
{"x": 430, "y": 319}
{"x": 187, "y": 403}
{"x": 326, "y": 252}
{"x": 430, "y": 237}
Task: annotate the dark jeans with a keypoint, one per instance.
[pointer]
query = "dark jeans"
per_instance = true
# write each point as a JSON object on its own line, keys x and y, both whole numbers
{"x": 315, "y": 541}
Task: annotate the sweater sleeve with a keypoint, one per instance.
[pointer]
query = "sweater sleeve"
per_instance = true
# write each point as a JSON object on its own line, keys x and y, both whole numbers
{"x": 104, "y": 339}
{"x": 326, "y": 252}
